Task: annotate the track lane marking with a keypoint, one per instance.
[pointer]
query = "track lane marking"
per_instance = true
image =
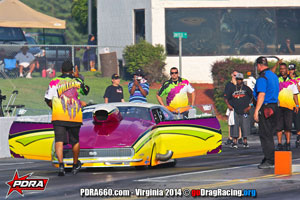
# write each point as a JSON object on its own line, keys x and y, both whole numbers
{"x": 16, "y": 163}
{"x": 198, "y": 172}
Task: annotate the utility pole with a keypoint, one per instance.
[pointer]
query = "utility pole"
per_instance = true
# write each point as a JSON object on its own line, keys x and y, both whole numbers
{"x": 89, "y": 16}
{"x": 180, "y": 35}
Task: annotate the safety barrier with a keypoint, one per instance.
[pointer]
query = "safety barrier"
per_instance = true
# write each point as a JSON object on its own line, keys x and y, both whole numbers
{"x": 5, "y": 124}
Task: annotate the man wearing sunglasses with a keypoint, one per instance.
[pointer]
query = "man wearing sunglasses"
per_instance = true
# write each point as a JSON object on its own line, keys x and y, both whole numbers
{"x": 176, "y": 89}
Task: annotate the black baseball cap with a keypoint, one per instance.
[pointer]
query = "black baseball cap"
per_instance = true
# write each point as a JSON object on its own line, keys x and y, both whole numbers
{"x": 292, "y": 66}
{"x": 262, "y": 60}
{"x": 139, "y": 72}
{"x": 115, "y": 76}
{"x": 67, "y": 66}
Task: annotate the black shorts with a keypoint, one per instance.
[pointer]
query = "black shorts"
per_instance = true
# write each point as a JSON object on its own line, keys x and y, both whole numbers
{"x": 284, "y": 119}
{"x": 296, "y": 117}
{"x": 66, "y": 134}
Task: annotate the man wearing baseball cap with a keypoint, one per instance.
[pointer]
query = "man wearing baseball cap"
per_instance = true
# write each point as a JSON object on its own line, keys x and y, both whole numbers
{"x": 266, "y": 92}
{"x": 114, "y": 92}
{"x": 292, "y": 71}
{"x": 241, "y": 98}
{"x": 296, "y": 115}
{"x": 138, "y": 88}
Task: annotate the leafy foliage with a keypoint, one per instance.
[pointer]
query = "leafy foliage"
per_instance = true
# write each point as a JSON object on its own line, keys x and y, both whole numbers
{"x": 221, "y": 71}
{"x": 80, "y": 14}
{"x": 149, "y": 58}
{"x": 75, "y": 32}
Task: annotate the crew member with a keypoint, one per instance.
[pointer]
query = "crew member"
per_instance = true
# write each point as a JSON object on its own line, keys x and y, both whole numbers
{"x": 288, "y": 99}
{"x": 176, "y": 89}
{"x": 62, "y": 97}
{"x": 266, "y": 94}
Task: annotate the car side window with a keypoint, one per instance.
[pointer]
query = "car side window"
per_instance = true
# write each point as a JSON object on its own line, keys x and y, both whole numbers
{"x": 156, "y": 116}
{"x": 159, "y": 115}
{"x": 167, "y": 114}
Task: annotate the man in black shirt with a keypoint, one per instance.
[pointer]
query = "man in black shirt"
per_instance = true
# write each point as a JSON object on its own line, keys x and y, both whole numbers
{"x": 114, "y": 92}
{"x": 240, "y": 97}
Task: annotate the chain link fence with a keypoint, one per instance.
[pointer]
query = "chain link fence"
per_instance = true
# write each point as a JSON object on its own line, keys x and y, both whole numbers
{"x": 49, "y": 58}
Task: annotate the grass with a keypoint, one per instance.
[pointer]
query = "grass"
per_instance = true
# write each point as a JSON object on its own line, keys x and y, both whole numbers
{"x": 32, "y": 92}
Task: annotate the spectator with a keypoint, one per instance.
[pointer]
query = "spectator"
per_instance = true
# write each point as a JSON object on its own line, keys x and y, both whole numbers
{"x": 92, "y": 52}
{"x": 176, "y": 89}
{"x": 62, "y": 97}
{"x": 114, "y": 92}
{"x": 266, "y": 94}
{"x": 228, "y": 87}
{"x": 24, "y": 60}
{"x": 240, "y": 97}
{"x": 287, "y": 47}
{"x": 296, "y": 115}
{"x": 292, "y": 71}
{"x": 287, "y": 93}
{"x": 138, "y": 88}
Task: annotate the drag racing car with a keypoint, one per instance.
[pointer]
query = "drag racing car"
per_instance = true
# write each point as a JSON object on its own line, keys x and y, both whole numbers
{"x": 125, "y": 134}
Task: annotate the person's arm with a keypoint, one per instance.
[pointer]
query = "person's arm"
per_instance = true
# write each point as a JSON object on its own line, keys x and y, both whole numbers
{"x": 259, "y": 103}
{"x": 48, "y": 102}
{"x": 161, "y": 92}
{"x": 142, "y": 90}
{"x": 249, "y": 93}
{"x": 106, "y": 94}
{"x": 228, "y": 105}
{"x": 159, "y": 99}
{"x": 273, "y": 69}
{"x": 227, "y": 95}
{"x": 122, "y": 100}
{"x": 50, "y": 93}
{"x": 193, "y": 98}
{"x": 133, "y": 87}
{"x": 295, "y": 97}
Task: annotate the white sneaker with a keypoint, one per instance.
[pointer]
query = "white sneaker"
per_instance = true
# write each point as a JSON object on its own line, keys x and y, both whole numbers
{"x": 21, "y": 76}
{"x": 28, "y": 76}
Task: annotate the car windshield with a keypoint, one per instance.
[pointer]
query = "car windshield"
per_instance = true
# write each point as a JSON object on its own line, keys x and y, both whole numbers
{"x": 11, "y": 34}
{"x": 135, "y": 112}
{"x": 30, "y": 40}
{"x": 126, "y": 111}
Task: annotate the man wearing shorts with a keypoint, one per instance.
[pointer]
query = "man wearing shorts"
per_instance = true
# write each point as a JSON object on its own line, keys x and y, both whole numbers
{"x": 241, "y": 98}
{"x": 62, "y": 97}
{"x": 288, "y": 101}
{"x": 24, "y": 60}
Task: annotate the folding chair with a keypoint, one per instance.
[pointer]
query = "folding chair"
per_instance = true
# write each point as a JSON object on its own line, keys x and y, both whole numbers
{"x": 10, "y": 68}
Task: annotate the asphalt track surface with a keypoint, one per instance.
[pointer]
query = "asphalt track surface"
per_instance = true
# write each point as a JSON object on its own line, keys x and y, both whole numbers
{"x": 232, "y": 169}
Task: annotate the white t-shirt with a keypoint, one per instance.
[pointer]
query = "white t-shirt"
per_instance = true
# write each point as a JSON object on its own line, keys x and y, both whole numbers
{"x": 21, "y": 58}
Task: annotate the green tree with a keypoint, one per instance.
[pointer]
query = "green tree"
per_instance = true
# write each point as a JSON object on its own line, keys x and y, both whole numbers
{"x": 62, "y": 10}
{"x": 149, "y": 58}
{"x": 80, "y": 14}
